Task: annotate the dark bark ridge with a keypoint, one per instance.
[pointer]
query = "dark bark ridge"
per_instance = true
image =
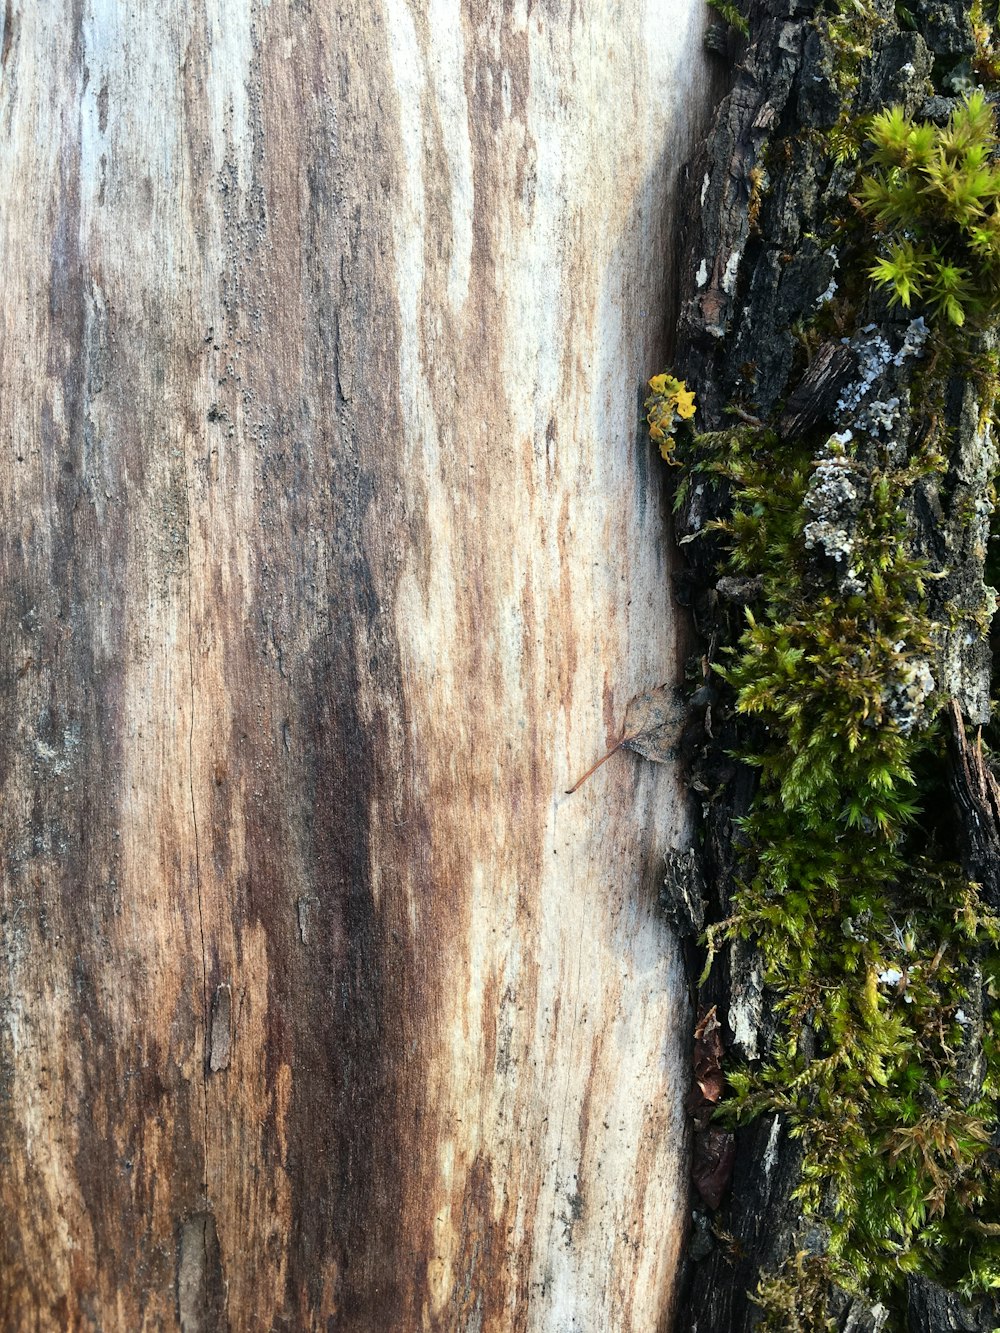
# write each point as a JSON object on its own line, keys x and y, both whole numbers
{"x": 834, "y": 504}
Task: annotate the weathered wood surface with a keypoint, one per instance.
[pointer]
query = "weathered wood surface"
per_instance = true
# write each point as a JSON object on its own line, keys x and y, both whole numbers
{"x": 331, "y": 553}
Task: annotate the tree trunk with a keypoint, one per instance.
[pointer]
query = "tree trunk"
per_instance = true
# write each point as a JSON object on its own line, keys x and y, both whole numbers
{"x": 333, "y": 555}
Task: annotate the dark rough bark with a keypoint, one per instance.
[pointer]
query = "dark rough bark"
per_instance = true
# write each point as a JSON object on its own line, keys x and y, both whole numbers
{"x": 754, "y": 265}
{"x": 929, "y": 1309}
{"x": 977, "y": 799}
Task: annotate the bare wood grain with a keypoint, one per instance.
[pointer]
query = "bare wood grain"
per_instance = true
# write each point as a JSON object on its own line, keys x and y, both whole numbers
{"x": 331, "y": 553}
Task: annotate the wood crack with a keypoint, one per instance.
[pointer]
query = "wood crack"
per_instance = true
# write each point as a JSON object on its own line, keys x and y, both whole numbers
{"x": 197, "y": 868}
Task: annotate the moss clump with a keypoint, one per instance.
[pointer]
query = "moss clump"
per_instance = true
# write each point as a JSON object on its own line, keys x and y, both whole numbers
{"x": 934, "y": 197}
{"x": 870, "y": 938}
{"x": 725, "y": 9}
{"x": 986, "y": 61}
{"x": 848, "y": 513}
{"x": 794, "y": 1300}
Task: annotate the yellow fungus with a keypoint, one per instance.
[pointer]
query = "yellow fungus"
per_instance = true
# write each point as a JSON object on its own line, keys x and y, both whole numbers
{"x": 685, "y": 403}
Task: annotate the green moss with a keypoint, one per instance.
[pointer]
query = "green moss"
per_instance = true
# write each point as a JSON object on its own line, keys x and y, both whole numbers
{"x": 850, "y": 28}
{"x": 872, "y": 942}
{"x": 732, "y": 15}
{"x": 794, "y": 1300}
{"x": 986, "y": 62}
{"x": 933, "y": 194}
{"x": 868, "y": 936}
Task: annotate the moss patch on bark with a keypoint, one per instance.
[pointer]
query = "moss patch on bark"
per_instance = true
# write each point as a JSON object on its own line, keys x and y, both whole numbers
{"x": 835, "y": 504}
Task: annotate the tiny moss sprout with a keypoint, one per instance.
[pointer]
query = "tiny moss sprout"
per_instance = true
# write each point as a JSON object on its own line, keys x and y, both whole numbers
{"x": 933, "y": 197}
{"x": 727, "y": 10}
{"x": 986, "y": 62}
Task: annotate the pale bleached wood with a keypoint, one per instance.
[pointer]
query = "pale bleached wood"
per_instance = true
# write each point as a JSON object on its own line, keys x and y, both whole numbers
{"x": 332, "y": 553}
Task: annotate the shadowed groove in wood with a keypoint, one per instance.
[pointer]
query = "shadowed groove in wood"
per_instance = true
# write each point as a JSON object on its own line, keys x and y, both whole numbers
{"x": 331, "y": 556}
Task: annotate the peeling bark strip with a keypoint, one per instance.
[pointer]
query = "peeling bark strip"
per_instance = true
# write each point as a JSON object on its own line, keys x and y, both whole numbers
{"x": 200, "y": 1284}
{"x": 330, "y": 555}
{"x": 758, "y": 266}
{"x": 221, "y": 1033}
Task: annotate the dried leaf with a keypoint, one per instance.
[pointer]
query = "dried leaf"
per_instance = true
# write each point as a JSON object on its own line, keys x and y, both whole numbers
{"x": 653, "y": 725}
{"x": 709, "y": 1080}
{"x": 714, "y": 1157}
{"x": 708, "y": 1075}
{"x": 708, "y": 1026}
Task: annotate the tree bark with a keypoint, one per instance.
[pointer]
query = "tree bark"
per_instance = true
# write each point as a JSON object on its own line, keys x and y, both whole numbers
{"x": 756, "y": 269}
{"x": 332, "y": 556}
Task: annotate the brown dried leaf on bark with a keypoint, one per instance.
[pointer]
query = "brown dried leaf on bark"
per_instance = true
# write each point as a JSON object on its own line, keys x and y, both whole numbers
{"x": 708, "y": 1073}
{"x": 714, "y": 1157}
{"x": 709, "y": 1080}
{"x": 652, "y": 728}
{"x": 714, "y": 1148}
